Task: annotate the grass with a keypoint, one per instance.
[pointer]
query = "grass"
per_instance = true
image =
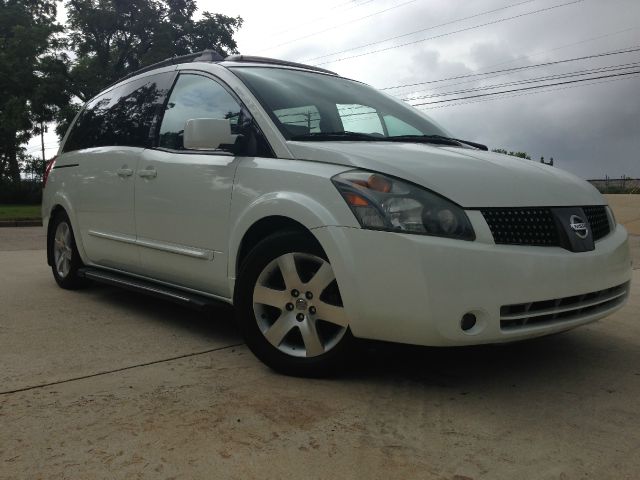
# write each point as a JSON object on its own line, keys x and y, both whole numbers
{"x": 20, "y": 212}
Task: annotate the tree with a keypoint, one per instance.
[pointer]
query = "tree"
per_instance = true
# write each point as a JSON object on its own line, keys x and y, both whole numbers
{"x": 112, "y": 38}
{"x": 524, "y": 155}
{"x": 28, "y": 52}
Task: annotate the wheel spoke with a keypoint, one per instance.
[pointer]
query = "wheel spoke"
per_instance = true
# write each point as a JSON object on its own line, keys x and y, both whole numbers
{"x": 332, "y": 314}
{"x": 311, "y": 339}
{"x": 280, "y": 328}
{"x": 67, "y": 236}
{"x": 59, "y": 262}
{"x": 321, "y": 279}
{"x": 66, "y": 266}
{"x": 289, "y": 272}
{"x": 270, "y": 296}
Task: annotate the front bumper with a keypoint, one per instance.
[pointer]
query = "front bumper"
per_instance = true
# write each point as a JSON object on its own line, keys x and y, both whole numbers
{"x": 415, "y": 289}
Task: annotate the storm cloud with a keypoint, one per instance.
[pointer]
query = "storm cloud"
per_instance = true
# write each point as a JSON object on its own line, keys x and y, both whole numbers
{"x": 590, "y": 130}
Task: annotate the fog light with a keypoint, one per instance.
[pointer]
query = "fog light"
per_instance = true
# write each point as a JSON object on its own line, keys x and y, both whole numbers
{"x": 468, "y": 321}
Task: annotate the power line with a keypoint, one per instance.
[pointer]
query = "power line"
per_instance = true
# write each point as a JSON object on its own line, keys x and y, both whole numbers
{"x": 448, "y": 85}
{"x": 513, "y": 95}
{"x": 340, "y": 25}
{"x": 525, "y": 88}
{"x": 577, "y": 73}
{"x": 500, "y": 20}
{"x": 419, "y": 31}
{"x": 566, "y": 45}
{"x": 334, "y": 10}
{"x": 521, "y": 57}
{"x": 525, "y": 94}
{"x": 514, "y": 69}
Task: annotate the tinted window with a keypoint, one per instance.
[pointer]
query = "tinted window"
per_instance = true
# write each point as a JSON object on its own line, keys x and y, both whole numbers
{"x": 195, "y": 96}
{"x": 123, "y": 116}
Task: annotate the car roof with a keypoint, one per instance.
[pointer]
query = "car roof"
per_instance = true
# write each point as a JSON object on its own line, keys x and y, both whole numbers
{"x": 229, "y": 61}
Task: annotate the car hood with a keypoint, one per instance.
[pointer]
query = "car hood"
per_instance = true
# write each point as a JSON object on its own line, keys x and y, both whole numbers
{"x": 471, "y": 178}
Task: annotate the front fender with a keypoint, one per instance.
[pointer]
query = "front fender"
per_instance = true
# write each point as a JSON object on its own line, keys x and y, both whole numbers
{"x": 293, "y": 205}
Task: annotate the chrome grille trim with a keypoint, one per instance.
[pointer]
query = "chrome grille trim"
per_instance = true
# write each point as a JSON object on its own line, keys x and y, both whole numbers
{"x": 513, "y": 317}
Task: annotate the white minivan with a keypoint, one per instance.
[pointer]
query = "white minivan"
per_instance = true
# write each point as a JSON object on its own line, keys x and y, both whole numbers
{"x": 324, "y": 211}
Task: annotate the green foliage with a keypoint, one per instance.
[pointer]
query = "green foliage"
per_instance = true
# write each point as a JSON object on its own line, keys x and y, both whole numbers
{"x": 29, "y": 60}
{"x": 107, "y": 39}
{"x": 524, "y": 155}
{"x": 112, "y": 38}
{"x": 20, "y": 212}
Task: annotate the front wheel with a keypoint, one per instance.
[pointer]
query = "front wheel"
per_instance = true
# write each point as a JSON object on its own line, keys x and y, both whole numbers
{"x": 289, "y": 307}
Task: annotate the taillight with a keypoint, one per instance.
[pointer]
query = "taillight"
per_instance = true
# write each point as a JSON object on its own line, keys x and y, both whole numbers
{"x": 47, "y": 170}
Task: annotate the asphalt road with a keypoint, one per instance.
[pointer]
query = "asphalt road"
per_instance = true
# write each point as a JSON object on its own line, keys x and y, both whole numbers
{"x": 102, "y": 383}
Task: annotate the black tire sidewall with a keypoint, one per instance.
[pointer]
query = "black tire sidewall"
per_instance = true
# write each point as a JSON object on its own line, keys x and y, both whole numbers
{"x": 262, "y": 254}
{"x": 72, "y": 281}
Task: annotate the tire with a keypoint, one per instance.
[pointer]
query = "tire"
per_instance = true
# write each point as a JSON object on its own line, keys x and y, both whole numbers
{"x": 289, "y": 318}
{"x": 65, "y": 259}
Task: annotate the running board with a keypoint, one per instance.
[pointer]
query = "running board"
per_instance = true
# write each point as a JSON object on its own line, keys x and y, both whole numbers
{"x": 199, "y": 302}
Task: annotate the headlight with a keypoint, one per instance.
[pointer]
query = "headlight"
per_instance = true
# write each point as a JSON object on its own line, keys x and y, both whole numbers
{"x": 380, "y": 202}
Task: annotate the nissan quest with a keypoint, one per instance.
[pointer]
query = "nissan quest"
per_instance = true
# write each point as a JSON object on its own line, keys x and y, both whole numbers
{"x": 324, "y": 211}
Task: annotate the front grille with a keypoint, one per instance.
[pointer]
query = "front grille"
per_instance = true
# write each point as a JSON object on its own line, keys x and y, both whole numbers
{"x": 513, "y": 317}
{"x": 597, "y": 218}
{"x": 536, "y": 225}
{"x": 522, "y": 226}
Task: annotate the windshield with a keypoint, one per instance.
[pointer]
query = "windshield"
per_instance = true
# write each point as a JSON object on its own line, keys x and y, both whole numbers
{"x": 305, "y": 105}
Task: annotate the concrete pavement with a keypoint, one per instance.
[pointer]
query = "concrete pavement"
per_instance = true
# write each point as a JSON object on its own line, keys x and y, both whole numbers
{"x": 103, "y": 383}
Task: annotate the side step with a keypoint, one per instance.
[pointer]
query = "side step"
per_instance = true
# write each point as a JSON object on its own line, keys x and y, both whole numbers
{"x": 199, "y": 302}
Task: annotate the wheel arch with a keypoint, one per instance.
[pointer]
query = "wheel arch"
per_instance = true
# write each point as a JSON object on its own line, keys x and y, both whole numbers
{"x": 262, "y": 229}
{"x": 272, "y": 213}
{"x": 61, "y": 204}
{"x": 55, "y": 210}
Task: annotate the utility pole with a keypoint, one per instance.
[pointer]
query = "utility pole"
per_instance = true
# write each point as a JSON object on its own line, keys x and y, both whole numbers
{"x": 44, "y": 160}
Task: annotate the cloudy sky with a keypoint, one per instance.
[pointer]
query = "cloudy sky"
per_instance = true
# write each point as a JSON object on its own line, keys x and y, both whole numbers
{"x": 590, "y": 128}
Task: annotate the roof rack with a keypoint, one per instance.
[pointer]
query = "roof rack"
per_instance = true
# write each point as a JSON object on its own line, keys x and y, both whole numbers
{"x": 203, "y": 56}
{"x": 274, "y": 61}
{"x": 213, "y": 56}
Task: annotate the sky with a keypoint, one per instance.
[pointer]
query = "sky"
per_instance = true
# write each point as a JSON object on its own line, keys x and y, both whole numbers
{"x": 590, "y": 128}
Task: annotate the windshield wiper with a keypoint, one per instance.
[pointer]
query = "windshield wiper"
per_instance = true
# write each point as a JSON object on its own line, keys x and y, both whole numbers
{"x": 436, "y": 139}
{"x": 343, "y": 135}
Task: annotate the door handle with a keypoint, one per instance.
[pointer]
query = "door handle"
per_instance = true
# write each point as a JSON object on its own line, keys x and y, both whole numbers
{"x": 124, "y": 172}
{"x": 148, "y": 173}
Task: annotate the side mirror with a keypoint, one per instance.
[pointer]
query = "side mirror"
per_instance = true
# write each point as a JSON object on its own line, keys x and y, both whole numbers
{"x": 207, "y": 134}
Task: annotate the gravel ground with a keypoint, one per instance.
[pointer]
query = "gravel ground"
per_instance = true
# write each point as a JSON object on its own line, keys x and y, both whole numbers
{"x": 102, "y": 383}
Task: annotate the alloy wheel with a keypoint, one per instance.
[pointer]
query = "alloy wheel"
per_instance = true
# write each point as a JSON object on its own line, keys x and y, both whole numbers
{"x": 62, "y": 249}
{"x": 297, "y": 305}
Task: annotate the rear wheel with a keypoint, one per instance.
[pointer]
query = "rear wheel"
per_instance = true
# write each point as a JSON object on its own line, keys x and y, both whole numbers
{"x": 289, "y": 307}
{"x": 64, "y": 253}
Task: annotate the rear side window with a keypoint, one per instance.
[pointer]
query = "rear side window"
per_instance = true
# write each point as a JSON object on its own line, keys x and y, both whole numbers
{"x": 123, "y": 116}
{"x": 195, "y": 96}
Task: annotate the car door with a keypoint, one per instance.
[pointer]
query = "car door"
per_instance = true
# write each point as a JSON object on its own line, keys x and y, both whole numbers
{"x": 111, "y": 134}
{"x": 182, "y": 197}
